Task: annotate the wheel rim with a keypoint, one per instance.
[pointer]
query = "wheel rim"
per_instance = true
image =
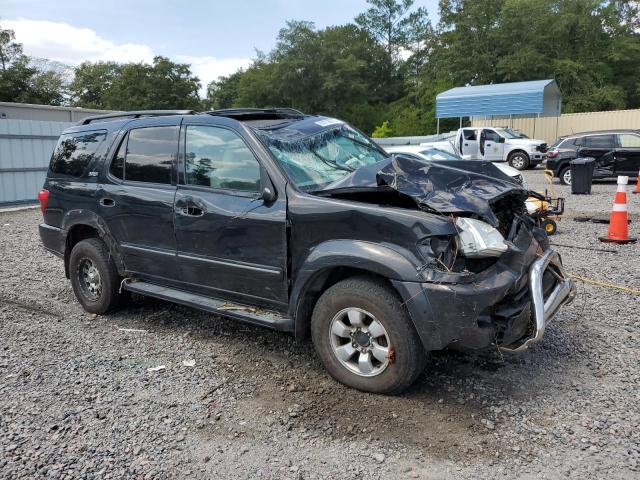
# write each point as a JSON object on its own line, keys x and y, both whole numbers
{"x": 360, "y": 342}
{"x": 566, "y": 176}
{"x": 518, "y": 161}
{"x": 549, "y": 228}
{"x": 89, "y": 279}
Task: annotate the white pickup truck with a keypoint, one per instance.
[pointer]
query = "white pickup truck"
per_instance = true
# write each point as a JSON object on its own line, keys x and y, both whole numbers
{"x": 495, "y": 145}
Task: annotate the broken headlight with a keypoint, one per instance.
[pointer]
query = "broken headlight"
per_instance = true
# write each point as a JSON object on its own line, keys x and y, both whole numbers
{"x": 479, "y": 239}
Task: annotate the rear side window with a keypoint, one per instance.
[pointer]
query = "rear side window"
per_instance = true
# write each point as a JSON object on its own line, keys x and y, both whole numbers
{"x": 628, "y": 140}
{"x": 599, "y": 141}
{"x": 147, "y": 155}
{"x": 469, "y": 134}
{"x": 74, "y": 152}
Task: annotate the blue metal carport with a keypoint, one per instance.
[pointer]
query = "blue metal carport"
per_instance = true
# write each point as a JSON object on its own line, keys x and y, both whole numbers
{"x": 540, "y": 98}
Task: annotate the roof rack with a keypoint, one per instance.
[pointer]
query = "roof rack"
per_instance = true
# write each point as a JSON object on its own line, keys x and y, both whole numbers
{"x": 135, "y": 114}
{"x": 257, "y": 113}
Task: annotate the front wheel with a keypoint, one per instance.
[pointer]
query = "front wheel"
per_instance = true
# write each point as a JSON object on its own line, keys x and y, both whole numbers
{"x": 94, "y": 277}
{"x": 549, "y": 226}
{"x": 365, "y": 338}
{"x": 565, "y": 176}
{"x": 519, "y": 160}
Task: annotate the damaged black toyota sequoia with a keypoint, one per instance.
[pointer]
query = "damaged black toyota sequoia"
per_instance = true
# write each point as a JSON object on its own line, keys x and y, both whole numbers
{"x": 302, "y": 224}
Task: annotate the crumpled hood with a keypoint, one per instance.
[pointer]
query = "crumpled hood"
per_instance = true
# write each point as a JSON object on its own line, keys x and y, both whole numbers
{"x": 469, "y": 187}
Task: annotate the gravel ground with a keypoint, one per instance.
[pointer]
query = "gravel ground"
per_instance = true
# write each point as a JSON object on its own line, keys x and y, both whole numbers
{"x": 77, "y": 399}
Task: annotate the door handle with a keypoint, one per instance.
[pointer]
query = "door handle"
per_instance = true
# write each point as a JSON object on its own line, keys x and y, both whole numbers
{"x": 192, "y": 211}
{"x": 107, "y": 202}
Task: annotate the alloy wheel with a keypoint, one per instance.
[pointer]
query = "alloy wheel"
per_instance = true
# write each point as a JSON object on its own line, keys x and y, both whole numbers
{"x": 360, "y": 342}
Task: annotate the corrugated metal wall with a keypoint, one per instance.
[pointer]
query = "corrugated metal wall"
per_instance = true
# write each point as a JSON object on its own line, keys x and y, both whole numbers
{"x": 550, "y": 128}
{"x": 25, "y": 151}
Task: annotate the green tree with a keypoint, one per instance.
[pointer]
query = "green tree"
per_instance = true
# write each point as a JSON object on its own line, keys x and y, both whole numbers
{"x": 383, "y": 130}
{"x": 91, "y": 81}
{"x": 20, "y": 81}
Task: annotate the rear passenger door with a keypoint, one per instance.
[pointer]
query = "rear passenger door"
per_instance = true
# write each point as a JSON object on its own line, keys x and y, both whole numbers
{"x": 137, "y": 194}
{"x": 602, "y": 148}
{"x": 628, "y": 154}
{"x": 231, "y": 244}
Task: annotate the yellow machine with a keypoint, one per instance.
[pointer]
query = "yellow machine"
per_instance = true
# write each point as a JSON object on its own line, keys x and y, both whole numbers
{"x": 546, "y": 209}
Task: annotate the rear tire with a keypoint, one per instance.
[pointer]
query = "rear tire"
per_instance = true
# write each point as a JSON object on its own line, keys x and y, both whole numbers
{"x": 518, "y": 160}
{"x": 376, "y": 348}
{"x": 565, "y": 176}
{"x": 94, "y": 277}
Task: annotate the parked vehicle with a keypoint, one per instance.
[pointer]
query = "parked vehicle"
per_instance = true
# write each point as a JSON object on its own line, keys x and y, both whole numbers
{"x": 495, "y": 145}
{"x": 301, "y": 224}
{"x": 437, "y": 155}
{"x": 617, "y": 152}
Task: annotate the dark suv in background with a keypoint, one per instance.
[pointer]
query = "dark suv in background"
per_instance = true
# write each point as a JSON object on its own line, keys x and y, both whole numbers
{"x": 302, "y": 224}
{"x": 617, "y": 152}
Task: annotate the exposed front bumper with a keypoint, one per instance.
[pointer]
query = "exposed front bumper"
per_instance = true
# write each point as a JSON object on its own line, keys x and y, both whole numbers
{"x": 544, "y": 309}
{"x": 507, "y": 305}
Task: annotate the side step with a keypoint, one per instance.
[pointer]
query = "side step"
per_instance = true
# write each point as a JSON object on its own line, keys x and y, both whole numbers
{"x": 253, "y": 315}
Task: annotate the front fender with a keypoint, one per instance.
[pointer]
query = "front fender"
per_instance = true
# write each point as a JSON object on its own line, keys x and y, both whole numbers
{"x": 371, "y": 257}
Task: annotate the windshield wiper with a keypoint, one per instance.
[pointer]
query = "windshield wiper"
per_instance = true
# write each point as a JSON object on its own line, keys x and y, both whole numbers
{"x": 331, "y": 163}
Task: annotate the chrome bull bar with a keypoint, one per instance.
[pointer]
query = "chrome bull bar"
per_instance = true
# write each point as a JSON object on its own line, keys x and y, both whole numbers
{"x": 543, "y": 310}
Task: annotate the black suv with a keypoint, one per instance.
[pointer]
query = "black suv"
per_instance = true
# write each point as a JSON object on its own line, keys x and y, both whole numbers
{"x": 302, "y": 224}
{"x": 617, "y": 152}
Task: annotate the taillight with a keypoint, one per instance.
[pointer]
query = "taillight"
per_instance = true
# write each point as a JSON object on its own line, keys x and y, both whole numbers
{"x": 43, "y": 198}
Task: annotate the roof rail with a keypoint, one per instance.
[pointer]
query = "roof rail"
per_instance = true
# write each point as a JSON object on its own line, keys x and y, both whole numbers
{"x": 284, "y": 112}
{"x": 134, "y": 114}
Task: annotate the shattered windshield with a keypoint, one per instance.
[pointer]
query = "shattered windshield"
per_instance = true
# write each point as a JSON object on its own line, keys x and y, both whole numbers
{"x": 320, "y": 159}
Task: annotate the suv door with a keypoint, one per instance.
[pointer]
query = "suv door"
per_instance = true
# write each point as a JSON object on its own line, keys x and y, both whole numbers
{"x": 136, "y": 194}
{"x": 628, "y": 154}
{"x": 602, "y": 148}
{"x": 230, "y": 242}
{"x": 493, "y": 149}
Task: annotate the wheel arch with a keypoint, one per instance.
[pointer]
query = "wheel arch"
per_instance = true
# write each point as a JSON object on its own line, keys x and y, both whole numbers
{"x": 79, "y": 225}
{"x": 337, "y": 260}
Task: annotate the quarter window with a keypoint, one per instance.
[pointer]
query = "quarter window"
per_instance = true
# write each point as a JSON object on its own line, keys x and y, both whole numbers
{"x": 74, "y": 152}
{"x": 629, "y": 141}
{"x": 149, "y": 154}
{"x": 219, "y": 158}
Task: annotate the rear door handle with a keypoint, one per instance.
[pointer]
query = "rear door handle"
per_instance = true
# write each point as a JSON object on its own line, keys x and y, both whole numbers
{"x": 192, "y": 211}
{"x": 107, "y": 202}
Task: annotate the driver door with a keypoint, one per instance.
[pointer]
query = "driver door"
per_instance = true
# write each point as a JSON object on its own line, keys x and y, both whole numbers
{"x": 493, "y": 145}
{"x": 230, "y": 242}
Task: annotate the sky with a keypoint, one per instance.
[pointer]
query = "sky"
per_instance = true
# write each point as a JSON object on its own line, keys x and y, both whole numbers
{"x": 216, "y": 37}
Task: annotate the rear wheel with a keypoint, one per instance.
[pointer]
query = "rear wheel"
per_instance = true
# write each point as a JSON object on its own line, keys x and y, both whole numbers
{"x": 94, "y": 277}
{"x": 565, "y": 176}
{"x": 365, "y": 338}
{"x": 519, "y": 160}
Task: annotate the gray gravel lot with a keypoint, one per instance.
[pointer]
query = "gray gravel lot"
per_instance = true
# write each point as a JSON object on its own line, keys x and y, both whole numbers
{"x": 77, "y": 399}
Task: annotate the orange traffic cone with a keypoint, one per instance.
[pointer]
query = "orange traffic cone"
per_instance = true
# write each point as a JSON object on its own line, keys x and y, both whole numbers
{"x": 637, "y": 184}
{"x": 618, "y": 222}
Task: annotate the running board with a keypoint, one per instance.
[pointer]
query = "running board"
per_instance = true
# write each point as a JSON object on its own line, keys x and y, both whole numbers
{"x": 249, "y": 314}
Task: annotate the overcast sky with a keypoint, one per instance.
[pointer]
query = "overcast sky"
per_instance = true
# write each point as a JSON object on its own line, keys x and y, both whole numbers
{"x": 216, "y": 37}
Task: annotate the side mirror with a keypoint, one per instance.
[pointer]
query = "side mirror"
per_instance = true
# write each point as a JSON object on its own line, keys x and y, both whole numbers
{"x": 501, "y": 140}
{"x": 268, "y": 195}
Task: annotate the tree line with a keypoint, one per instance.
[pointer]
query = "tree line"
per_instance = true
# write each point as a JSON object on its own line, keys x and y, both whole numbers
{"x": 382, "y": 70}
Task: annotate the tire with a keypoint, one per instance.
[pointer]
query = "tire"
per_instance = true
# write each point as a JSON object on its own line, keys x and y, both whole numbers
{"x": 565, "y": 176}
{"x": 518, "y": 160}
{"x": 94, "y": 277}
{"x": 376, "y": 302}
{"x": 549, "y": 226}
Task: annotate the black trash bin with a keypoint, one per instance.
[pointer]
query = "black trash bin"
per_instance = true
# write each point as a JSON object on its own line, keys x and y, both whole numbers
{"x": 582, "y": 175}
